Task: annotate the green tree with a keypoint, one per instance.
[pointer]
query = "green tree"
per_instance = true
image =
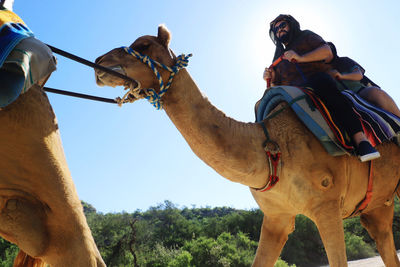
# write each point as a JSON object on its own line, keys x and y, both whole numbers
{"x": 227, "y": 250}
{"x": 8, "y": 252}
{"x": 356, "y": 248}
{"x": 304, "y": 246}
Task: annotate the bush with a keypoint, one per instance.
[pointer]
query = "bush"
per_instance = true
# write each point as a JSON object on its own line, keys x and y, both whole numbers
{"x": 356, "y": 248}
{"x": 160, "y": 256}
{"x": 226, "y": 250}
{"x": 282, "y": 263}
{"x": 304, "y": 246}
{"x": 8, "y": 252}
{"x": 183, "y": 259}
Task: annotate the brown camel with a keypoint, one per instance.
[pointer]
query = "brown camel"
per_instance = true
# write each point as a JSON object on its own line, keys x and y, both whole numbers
{"x": 40, "y": 210}
{"x": 324, "y": 188}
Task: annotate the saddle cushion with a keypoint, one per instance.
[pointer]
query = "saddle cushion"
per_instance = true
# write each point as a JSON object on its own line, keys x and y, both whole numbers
{"x": 311, "y": 117}
{"x": 24, "y": 60}
{"x": 378, "y": 124}
{"x": 29, "y": 63}
{"x": 12, "y": 31}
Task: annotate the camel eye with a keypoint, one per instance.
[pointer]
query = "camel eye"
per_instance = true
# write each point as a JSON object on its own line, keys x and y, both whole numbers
{"x": 141, "y": 47}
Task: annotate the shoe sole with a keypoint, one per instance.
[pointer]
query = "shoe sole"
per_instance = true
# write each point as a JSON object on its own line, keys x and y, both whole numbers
{"x": 369, "y": 157}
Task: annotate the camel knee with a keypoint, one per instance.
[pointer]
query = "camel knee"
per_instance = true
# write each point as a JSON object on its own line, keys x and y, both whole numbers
{"x": 277, "y": 230}
{"x": 22, "y": 222}
{"x": 379, "y": 225}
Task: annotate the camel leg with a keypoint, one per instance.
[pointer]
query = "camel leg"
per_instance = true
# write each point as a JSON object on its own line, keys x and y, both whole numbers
{"x": 330, "y": 227}
{"x": 378, "y": 223}
{"x": 274, "y": 234}
{"x": 398, "y": 192}
{"x": 22, "y": 221}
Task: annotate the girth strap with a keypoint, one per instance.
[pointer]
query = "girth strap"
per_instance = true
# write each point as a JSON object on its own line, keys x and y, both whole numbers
{"x": 368, "y": 196}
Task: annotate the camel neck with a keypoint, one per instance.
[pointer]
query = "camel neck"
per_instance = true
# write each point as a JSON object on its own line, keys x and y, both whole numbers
{"x": 223, "y": 143}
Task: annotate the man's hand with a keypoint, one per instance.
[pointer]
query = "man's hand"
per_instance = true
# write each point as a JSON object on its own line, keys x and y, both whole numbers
{"x": 291, "y": 56}
{"x": 269, "y": 73}
{"x": 335, "y": 74}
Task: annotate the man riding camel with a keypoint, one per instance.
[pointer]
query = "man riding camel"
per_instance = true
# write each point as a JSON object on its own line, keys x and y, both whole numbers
{"x": 304, "y": 56}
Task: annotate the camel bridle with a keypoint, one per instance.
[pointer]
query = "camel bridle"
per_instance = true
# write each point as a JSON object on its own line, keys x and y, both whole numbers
{"x": 135, "y": 92}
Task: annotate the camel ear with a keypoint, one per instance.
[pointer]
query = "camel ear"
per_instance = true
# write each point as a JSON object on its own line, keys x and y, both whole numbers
{"x": 164, "y": 36}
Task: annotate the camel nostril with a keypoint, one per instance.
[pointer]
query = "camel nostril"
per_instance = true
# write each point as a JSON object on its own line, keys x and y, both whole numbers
{"x": 118, "y": 69}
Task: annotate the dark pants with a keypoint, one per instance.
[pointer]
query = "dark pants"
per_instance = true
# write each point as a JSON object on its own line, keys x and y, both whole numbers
{"x": 338, "y": 105}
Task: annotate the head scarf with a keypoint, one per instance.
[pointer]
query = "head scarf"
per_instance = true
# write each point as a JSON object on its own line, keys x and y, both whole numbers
{"x": 294, "y": 31}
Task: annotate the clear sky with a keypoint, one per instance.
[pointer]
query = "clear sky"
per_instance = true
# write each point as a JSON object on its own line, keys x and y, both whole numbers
{"x": 129, "y": 158}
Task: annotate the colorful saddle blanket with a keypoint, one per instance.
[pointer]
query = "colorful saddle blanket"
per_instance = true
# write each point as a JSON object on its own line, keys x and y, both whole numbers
{"x": 378, "y": 124}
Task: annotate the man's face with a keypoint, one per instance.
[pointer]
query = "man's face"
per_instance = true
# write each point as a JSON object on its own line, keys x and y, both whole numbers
{"x": 281, "y": 31}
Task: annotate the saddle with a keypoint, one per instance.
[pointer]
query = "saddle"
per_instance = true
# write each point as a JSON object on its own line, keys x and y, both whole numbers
{"x": 24, "y": 60}
{"x": 378, "y": 125}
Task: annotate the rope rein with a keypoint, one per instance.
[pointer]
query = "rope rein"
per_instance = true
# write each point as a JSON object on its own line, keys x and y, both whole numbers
{"x": 149, "y": 93}
{"x": 135, "y": 91}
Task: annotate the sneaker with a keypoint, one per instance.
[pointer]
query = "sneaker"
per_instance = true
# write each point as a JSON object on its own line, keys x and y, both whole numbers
{"x": 366, "y": 152}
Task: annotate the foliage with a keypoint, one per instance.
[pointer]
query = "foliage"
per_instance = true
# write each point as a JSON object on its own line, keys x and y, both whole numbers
{"x": 8, "y": 252}
{"x": 282, "y": 263}
{"x": 304, "y": 246}
{"x": 356, "y": 248}
{"x": 226, "y": 250}
{"x": 396, "y": 223}
{"x": 168, "y": 236}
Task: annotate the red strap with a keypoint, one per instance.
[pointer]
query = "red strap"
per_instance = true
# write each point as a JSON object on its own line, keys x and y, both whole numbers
{"x": 273, "y": 178}
{"x": 276, "y": 62}
{"x": 368, "y": 196}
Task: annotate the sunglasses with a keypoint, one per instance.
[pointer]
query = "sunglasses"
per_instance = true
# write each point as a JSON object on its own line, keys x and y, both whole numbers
{"x": 280, "y": 26}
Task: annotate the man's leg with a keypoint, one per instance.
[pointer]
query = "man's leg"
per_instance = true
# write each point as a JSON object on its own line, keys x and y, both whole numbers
{"x": 380, "y": 98}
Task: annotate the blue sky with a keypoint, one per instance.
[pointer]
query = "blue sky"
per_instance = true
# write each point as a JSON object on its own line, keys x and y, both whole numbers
{"x": 129, "y": 158}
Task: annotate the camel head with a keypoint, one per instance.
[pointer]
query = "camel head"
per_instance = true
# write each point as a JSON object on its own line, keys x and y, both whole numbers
{"x": 155, "y": 47}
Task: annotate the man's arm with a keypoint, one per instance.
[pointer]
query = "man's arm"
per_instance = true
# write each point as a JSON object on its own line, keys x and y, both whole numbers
{"x": 355, "y": 75}
{"x": 322, "y": 53}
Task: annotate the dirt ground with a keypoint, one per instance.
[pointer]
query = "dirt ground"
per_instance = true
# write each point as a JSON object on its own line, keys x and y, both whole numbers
{"x": 370, "y": 262}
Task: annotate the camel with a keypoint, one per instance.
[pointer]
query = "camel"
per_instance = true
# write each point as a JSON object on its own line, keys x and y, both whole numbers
{"x": 324, "y": 188}
{"x": 40, "y": 210}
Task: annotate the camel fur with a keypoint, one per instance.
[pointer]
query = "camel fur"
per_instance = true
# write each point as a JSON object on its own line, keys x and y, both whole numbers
{"x": 40, "y": 210}
{"x": 326, "y": 189}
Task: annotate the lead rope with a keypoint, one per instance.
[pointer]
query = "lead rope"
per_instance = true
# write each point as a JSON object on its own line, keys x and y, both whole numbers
{"x": 149, "y": 93}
